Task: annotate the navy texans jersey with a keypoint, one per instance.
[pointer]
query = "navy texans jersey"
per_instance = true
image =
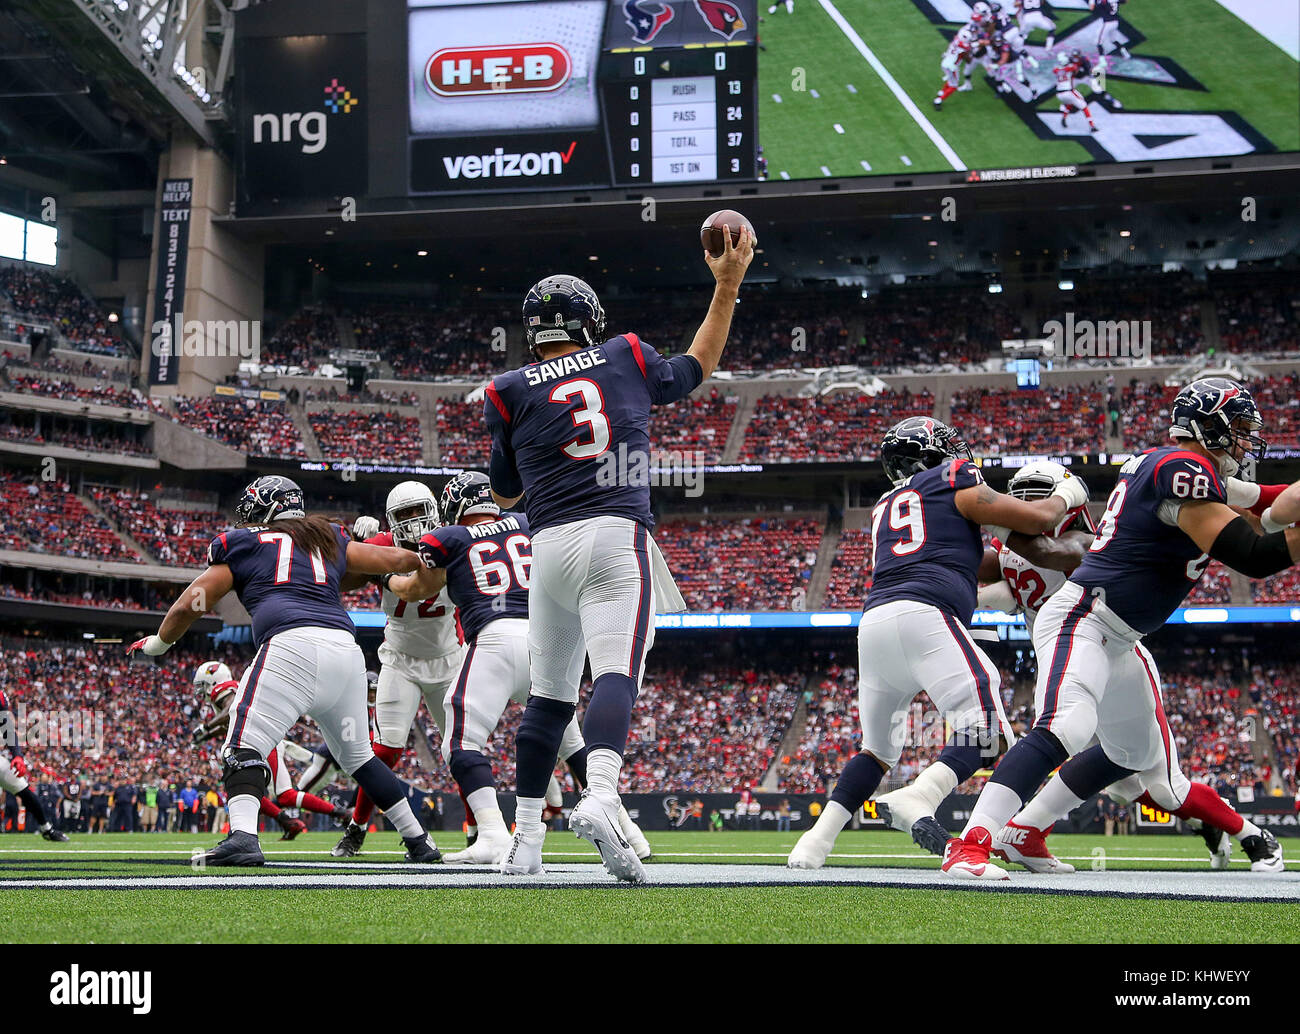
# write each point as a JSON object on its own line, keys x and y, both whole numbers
{"x": 922, "y": 548}
{"x": 1109, "y": 9}
{"x": 488, "y": 567}
{"x": 1142, "y": 564}
{"x": 279, "y": 585}
{"x": 573, "y": 433}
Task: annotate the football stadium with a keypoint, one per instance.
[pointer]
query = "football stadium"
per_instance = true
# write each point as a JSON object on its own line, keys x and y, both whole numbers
{"x": 649, "y": 471}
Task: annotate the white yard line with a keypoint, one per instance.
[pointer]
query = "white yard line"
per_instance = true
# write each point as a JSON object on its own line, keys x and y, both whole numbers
{"x": 917, "y": 115}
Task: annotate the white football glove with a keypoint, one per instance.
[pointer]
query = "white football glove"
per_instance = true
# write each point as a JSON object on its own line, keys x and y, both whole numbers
{"x": 1242, "y": 494}
{"x": 152, "y": 646}
{"x": 365, "y": 528}
{"x": 1072, "y": 491}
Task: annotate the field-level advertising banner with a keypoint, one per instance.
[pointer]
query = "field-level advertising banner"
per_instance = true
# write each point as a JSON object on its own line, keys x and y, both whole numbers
{"x": 169, "y": 277}
{"x": 303, "y": 114}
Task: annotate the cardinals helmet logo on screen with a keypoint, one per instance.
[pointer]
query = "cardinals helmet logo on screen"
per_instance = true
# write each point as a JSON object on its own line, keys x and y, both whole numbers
{"x": 721, "y": 16}
{"x": 646, "y": 18}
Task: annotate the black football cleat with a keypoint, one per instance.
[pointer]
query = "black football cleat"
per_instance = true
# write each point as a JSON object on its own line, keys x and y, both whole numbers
{"x": 55, "y": 835}
{"x": 1264, "y": 852}
{"x": 353, "y": 837}
{"x": 929, "y": 834}
{"x": 236, "y": 849}
{"x": 421, "y": 849}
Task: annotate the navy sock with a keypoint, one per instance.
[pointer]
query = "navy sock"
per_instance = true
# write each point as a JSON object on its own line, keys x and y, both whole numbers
{"x": 1027, "y": 763}
{"x": 577, "y": 763}
{"x": 964, "y": 757}
{"x": 858, "y": 782}
{"x": 609, "y": 714}
{"x": 33, "y": 806}
{"x": 471, "y": 770}
{"x": 1091, "y": 772}
{"x": 537, "y": 743}
{"x": 379, "y": 782}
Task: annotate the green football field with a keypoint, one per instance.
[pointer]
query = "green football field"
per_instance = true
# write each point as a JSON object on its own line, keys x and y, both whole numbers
{"x": 837, "y": 115}
{"x": 703, "y": 888}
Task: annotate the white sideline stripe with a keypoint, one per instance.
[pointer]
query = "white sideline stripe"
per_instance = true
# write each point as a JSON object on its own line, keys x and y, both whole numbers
{"x": 917, "y": 115}
{"x": 1206, "y": 885}
{"x": 271, "y": 857}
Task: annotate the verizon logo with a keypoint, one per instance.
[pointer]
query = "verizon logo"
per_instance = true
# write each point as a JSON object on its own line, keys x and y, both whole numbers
{"x": 502, "y": 164}
{"x": 522, "y": 68}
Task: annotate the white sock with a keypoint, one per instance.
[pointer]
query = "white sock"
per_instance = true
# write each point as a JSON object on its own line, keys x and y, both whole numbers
{"x": 603, "y": 768}
{"x": 528, "y": 817}
{"x": 401, "y": 816}
{"x": 488, "y": 813}
{"x": 554, "y": 798}
{"x": 935, "y": 783}
{"x": 1248, "y": 829}
{"x": 996, "y": 804}
{"x": 834, "y": 817}
{"x": 243, "y": 809}
{"x": 1053, "y": 801}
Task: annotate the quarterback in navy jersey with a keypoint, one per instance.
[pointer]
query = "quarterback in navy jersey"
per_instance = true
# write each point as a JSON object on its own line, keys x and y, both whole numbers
{"x": 926, "y": 551}
{"x": 1171, "y": 512}
{"x": 285, "y": 567}
{"x": 571, "y": 434}
{"x": 486, "y": 560}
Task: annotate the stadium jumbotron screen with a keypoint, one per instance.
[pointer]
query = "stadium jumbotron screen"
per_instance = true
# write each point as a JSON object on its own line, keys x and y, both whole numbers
{"x": 528, "y": 95}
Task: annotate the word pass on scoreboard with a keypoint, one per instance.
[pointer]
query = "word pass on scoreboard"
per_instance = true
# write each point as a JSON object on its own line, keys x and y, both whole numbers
{"x": 681, "y": 108}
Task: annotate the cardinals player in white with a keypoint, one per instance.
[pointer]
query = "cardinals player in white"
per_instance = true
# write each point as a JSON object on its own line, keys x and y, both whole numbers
{"x": 958, "y": 58}
{"x": 214, "y": 684}
{"x": 421, "y": 650}
{"x": 1024, "y": 586}
{"x": 1071, "y": 72}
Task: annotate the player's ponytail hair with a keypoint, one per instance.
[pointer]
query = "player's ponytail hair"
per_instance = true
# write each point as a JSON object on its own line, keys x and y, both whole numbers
{"x": 311, "y": 534}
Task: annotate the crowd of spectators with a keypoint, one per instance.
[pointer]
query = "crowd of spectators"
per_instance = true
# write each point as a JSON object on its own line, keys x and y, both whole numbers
{"x": 253, "y": 426}
{"x": 363, "y": 397}
{"x": 173, "y": 537}
{"x": 424, "y": 343}
{"x": 48, "y": 517}
{"x": 372, "y": 435}
{"x": 840, "y": 426}
{"x": 47, "y": 296}
{"x": 462, "y": 436}
{"x": 748, "y": 563}
{"x": 100, "y": 394}
{"x": 1259, "y": 316}
{"x": 304, "y": 340}
{"x": 699, "y": 424}
{"x": 850, "y": 571}
{"x": 1052, "y": 419}
{"x": 107, "y": 437}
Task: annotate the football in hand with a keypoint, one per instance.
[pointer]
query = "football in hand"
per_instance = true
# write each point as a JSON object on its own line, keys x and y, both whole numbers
{"x": 711, "y": 232}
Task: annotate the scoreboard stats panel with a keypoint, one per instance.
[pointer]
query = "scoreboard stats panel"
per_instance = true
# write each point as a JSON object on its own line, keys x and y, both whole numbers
{"x": 520, "y": 95}
{"x": 681, "y": 115}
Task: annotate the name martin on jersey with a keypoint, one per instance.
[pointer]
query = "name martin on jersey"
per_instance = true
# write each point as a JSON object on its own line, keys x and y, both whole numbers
{"x": 478, "y": 531}
{"x": 575, "y": 362}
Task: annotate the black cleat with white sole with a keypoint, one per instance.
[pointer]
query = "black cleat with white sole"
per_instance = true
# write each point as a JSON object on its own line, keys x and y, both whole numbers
{"x": 1264, "y": 852}
{"x": 421, "y": 849}
{"x": 237, "y": 849}
{"x": 350, "y": 844}
{"x": 926, "y": 831}
{"x": 55, "y": 835}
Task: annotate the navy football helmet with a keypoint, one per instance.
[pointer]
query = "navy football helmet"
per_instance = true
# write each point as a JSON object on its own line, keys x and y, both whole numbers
{"x": 919, "y": 443}
{"x": 562, "y": 308}
{"x": 270, "y": 498}
{"x": 466, "y": 495}
{"x": 1221, "y": 415}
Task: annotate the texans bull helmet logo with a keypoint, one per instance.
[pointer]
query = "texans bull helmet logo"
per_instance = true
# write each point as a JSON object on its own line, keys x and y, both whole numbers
{"x": 721, "y": 16}
{"x": 646, "y": 18}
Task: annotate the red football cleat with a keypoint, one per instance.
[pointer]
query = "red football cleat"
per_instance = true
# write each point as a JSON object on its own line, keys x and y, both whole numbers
{"x": 1028, "y": 846}
{"x": 292, "y": 827}
{"x": 968, "y": 858}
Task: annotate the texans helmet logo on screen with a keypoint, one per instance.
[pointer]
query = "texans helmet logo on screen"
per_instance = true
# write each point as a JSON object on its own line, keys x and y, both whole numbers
{"x": 722, "y": 16}
{"x": 647, "y": 18}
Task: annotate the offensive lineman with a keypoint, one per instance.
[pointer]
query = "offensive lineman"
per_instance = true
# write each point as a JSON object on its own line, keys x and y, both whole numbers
{"x": 926, "y": 548}
{"x": 571, "y": 432}
{"x": 1166, "y": 518}
{"x": 286, "y": 568}
{"x": 1026, "y": 586}
{"x": 420, "y": 652}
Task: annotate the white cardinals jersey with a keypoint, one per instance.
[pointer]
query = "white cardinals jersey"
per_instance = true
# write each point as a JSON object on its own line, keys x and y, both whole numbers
{"x": 422, "y": 630}
{"x": 1031, "y": 586}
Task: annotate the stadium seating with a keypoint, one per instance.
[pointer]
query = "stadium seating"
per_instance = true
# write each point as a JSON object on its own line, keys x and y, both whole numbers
{"x": 254, "y": 427}
{"x": 52, "y": 519}
{"x": 305, "y": 339}
{"x": 1053, "y": 419}
{"x": 462, "y": 436}
{"x": 850, "y": 571}
{"x": 424, "y": 343}
{"x": 372, "y": 435}
{"x": 101, "y": 394}
{"x": 834, "y": 427}
{"x": 694, "y": 425}
{"x": 749, "y": 563}
{"x": 46, "y": 296}
{"x": 171, "y": 536}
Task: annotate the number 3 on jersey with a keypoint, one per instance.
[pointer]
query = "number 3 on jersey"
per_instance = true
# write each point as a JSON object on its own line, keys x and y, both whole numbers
{"x": 905, "y": 514}
{"x": 591, "y": 413}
